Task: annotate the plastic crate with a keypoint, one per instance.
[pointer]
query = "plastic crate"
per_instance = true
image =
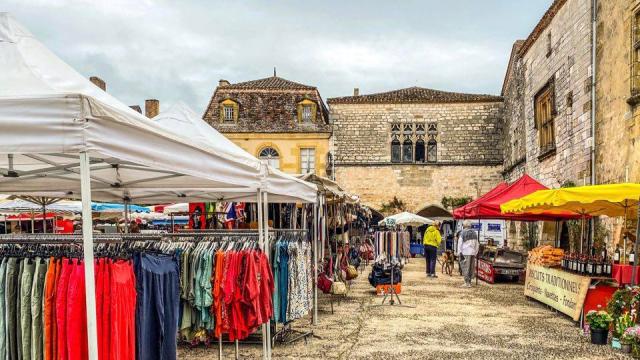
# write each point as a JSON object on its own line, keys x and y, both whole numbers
{"x": 386, "y": 289}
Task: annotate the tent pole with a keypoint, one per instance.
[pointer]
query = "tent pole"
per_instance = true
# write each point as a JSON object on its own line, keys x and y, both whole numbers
{"x": 33, "y": 223}
{"x": 476, "y": 257}
{"x": 87, "y": 241}
{"x": 265, "y": 227}
{"x": 315, "y": 262}
{"x": 44, "y": 218}
{"x": 126, "y": 216}
{"x": 261, "y": 244}
{"x": 173, "y": 225}
{"x": 635, "y": 261}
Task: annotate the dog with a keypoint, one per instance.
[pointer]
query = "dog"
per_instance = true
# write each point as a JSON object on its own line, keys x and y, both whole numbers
{"x": 448, "y": 262}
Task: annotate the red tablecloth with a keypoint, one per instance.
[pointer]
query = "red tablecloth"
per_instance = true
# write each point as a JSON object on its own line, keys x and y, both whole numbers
{"x": 622, "y": 274}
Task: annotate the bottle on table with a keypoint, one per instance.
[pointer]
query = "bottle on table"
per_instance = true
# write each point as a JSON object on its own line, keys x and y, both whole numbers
{"x": 616, "y": 255}
{"x": 632, "y": 257}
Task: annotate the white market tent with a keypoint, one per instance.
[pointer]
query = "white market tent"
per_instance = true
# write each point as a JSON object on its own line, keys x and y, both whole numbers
{"x": 405, "y": 219}
{"x": 176, "y": 208}
{"x": 61, "y": 136}
{"x": 182, "y": 120}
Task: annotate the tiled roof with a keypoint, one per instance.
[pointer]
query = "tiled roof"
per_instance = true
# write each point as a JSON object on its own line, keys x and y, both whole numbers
{"x": 541, "y": 26}
{"x": 270, "y": 83}
{"x": 414, "y": 95}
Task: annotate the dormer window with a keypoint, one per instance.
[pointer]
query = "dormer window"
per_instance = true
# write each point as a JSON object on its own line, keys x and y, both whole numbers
{"x": 228, "y": 111}
{"x": 307, "y": 111}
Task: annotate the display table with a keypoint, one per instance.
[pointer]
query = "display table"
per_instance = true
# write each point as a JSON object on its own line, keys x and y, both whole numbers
{"x": 623, "y": 273}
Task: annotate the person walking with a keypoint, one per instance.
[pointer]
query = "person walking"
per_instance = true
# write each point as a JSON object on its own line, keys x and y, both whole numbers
{"x": 468, "y": 246}
{"x": 431, "y": 242}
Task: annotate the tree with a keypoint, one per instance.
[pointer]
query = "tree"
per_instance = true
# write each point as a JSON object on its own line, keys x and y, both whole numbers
{"x": 394, "y": 206}
{"x": 451, "y": 203}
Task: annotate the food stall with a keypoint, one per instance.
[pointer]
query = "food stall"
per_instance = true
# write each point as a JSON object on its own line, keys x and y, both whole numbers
{"x": 579, "y": 282}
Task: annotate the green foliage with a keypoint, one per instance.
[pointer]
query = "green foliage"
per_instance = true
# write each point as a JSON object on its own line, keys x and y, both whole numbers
{"x": 393, "y": 207}
{"x": 620, "y": 325}
{"x": 620, "y": 303}
{"x": 568, "y": 184}
{"x": 451, "y": 203}
{"x": 599, "y": 319}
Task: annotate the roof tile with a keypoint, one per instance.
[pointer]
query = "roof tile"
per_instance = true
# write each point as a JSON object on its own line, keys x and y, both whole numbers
{"x": 414, "y": 95}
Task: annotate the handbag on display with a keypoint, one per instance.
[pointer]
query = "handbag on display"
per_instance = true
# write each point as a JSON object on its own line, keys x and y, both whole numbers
{"x": 338, "y": 288}
{"x": 325, "y": 284}
{"x": 352, "y": 272}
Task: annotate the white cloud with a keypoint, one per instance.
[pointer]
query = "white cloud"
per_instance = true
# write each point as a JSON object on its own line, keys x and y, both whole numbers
{"x": 177, "y": 50}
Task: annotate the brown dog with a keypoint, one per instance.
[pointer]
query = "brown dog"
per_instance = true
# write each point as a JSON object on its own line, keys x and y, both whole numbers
{"x": 447, "y": 262}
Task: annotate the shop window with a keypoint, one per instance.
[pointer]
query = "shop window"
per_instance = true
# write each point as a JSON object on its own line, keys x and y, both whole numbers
{"x": 407, "y": 151}
{"x": 432, "y": 151}
{"x": 420, "y": 151}
{"x": 271, "y": 155}
{"x": 308, "y": 161}
{"x": 635, "y": 54}
{"x": 544, "y": 113}
{"x": 395, "y": 151}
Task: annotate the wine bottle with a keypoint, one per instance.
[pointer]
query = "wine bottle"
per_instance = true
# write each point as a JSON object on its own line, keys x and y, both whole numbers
{"x": 616, "y": 255}
{"x": 632, "y": 257}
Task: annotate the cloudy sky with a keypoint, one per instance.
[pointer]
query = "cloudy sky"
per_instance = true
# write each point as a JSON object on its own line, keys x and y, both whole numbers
{"x": 177, "y": 50}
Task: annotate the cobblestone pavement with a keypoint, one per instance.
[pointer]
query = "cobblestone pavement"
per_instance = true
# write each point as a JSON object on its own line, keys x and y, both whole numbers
{"x": 447, "y": 322}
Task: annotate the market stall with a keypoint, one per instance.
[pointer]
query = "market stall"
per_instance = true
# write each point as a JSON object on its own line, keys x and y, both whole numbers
{"x": 61, "y": 136}
{"x": 596, "y": 266}
{"x": 487, "y": 208}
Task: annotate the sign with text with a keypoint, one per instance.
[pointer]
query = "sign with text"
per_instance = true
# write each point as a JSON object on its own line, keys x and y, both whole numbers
{"x": 559, "y": 289}
{"x": 486, "y": 271}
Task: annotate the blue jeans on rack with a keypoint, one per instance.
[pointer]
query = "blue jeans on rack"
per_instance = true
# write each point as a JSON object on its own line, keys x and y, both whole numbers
{"x": 430, "y": 255}
{"x": 157, "y": 308}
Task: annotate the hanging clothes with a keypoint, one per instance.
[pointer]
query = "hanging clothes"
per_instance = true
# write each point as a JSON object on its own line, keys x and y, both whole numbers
{"x": 293, "y": 271}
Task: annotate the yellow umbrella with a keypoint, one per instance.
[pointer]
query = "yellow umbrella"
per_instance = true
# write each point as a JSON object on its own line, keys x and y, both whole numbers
{"x": 610, "y": 200}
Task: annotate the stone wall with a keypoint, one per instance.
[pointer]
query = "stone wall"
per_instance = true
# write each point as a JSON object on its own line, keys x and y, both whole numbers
{"x": 569, "y": 65}
{"x": 468, "y": 133}
{"x": 617, "y": 122}
{"x": 416, "y": 185}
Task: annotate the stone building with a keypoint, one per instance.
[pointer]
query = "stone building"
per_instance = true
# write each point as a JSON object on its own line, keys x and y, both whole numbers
{"x": 547, "y": 98}
{"x": 618, "y": 91}
{"x": 281, "y": 121}
{"x": 417, "y": 144}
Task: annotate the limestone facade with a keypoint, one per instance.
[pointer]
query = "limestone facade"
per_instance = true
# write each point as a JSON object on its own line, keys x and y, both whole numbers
{"x": 617, "y": 111}
{"x": 468, "y": 153}
{"x": 557, "y": 52}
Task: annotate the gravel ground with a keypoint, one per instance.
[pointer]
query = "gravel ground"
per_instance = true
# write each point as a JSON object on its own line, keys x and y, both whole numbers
{"x": 445, "y": 322}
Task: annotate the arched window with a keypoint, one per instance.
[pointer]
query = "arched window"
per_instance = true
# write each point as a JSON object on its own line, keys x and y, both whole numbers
{"x": 271, "y": 155}
{"x": 407, "y": 151}
{"x": 432, "y": 151}
{"x": 420, "y": 151}
{"x": 396, "y": 153}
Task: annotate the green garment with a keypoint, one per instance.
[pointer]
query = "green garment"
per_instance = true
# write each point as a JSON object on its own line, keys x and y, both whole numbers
{"x": 37, "y": 320}
{"x": 432, "y": 236}
{"x": 3, "y": 334}
{"x": 26, "y": 284}
{"x": 11, "y": 302}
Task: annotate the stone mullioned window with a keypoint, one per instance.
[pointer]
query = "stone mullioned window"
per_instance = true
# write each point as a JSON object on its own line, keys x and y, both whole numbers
{"x": 408, "y": 142}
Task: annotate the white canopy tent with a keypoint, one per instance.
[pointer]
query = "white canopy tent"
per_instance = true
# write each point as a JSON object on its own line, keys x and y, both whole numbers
{"x": 180, "y": 119}
{"x": 405, "y": 219}
{"x": 59, "y": 131}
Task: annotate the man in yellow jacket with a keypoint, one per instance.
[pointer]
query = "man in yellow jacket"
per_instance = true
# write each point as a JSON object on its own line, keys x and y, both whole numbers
{"x": 431, "y": 242}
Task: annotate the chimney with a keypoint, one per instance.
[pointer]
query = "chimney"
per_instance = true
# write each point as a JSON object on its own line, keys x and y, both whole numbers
{"x": 151, "y": 108}
{"x": 98, "y": 82}
{"x": 136, "y": 108}
{"x": 356, "y": 92}
{"x": 223, "y": 82}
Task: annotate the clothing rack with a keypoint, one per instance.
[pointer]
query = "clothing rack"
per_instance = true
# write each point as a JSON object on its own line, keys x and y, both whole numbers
{"x": 283, "y": 336}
